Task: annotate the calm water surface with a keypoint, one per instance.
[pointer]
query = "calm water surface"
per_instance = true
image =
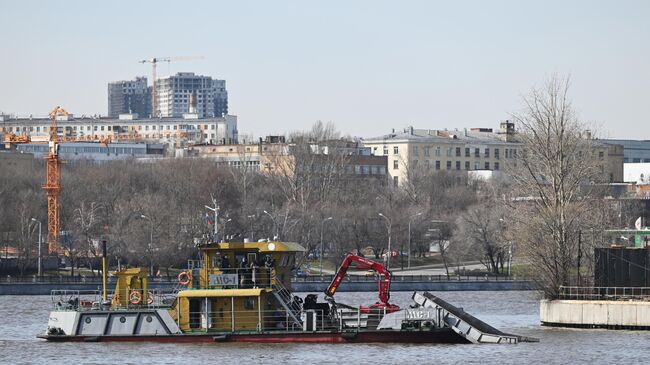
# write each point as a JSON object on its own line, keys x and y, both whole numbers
{"x": 23, "y": 317}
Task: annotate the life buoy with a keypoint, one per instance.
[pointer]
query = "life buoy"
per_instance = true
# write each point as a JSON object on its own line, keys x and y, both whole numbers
{"x": 135, "y": 297}
{"x": 149, "y": 298}
{"x": 184, "y": 278}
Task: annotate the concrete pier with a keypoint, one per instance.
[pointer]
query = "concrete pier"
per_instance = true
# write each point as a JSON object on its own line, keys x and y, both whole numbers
{"x": 620, "y": 314}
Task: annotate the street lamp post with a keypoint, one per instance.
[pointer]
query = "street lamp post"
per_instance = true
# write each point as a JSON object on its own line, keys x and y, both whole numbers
{"x": 390, "y": 253}
{"x": 275, "y": 224}
{"x": 150, "y": 243}
{"x": 409, "y": 246}
{"x": 250, "y": 218}
{"x": 224, "y": 228}
{"x": 40, "y": 242}
{"x": 322, "y": 225}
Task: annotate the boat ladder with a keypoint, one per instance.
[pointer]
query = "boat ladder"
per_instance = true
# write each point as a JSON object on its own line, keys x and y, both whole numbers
{"x": 285, "y": 298}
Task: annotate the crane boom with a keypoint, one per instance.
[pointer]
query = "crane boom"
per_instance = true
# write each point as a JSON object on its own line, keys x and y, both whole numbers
{"x": 383, "y": 283}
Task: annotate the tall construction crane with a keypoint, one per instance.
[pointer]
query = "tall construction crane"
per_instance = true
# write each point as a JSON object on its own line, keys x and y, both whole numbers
{"x": 53, "y": 183}
{"x": 154, "y": 62}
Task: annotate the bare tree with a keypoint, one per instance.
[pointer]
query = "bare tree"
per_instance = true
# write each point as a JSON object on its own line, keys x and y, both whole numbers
{"x": 552, "y": 175}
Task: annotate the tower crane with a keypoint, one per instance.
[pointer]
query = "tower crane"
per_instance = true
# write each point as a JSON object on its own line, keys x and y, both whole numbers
{"x": 154, "y": 62}
{"x": 53, "y": 183}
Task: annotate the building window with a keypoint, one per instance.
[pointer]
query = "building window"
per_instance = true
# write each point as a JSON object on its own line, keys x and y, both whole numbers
{"x": 496, "y": 165}
{"x": 466, "y": 165}
{"x": 437, "y": 165}
{"x": 487, "y": 152}
{"x": 477, "y": 152}
{"x": 395, "y": 150}
{"x": 426, "y": 150}
{"x": 475, "y": 165}
{"x": 457, "y": 151}
{"x": 415, "y": 151}
{"x": 395, "y": 164}
{"x": 153, "y": 127}
{"x": 427, "y": 164}
{"x": 385, "y": 150}
{"x": 448, "y": 151}
{"x": 457, "y": 165}
{"x": 467, "y": 153}
{"x": 438, "y": 151}
{"x": 395, "y": 181}
{"x": 448, "y": 165}
{"x": 601, "y": 155}
{"x": 496, "y": 153}
{"x": 487, "y": 165}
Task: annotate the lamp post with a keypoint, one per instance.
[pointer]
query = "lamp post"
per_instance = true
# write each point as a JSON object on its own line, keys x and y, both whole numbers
{"x": 250, "y": 218}
{"x": 224, "y": 228}
{"x": 389, "y": 225}
{"x": 150, "y": 243}
{"x": 275, "y": 224}
{"x": 408, "y": 264}
{"x": 40, "y": 241}
{"x": 322, "y": 225}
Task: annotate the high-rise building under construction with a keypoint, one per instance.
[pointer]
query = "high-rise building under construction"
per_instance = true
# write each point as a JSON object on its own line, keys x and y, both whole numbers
{"x": 186, "y": 92}
{"x": 129, "y": 97}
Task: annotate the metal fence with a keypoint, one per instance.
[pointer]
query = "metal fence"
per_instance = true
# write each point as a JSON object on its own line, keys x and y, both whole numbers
{"x": 604, "y": 293}
{"x": 296, "y": 279}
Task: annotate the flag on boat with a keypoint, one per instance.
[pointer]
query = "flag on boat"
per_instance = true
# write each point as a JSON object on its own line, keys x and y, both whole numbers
{"x": 209, "y": 219}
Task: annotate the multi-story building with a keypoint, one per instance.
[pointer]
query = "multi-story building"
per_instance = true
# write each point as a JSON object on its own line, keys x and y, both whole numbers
{"x": 176, "y": 132}
{"x": 186, "y": 92}
{"x": 129, "y": 97}
{"x": 464, "y": 150}
{"x": 634, "y": 151}
{"x": 274, "y": 154}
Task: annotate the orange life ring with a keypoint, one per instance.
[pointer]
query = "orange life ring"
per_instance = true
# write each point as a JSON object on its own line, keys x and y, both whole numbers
{"x": 149, "y": 298}
{"x": 184, "y": 278}
{"x": 135, "y": 297}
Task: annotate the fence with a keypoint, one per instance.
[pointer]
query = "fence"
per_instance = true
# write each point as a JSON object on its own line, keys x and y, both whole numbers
{"x": 604, "y": 293}
{"x": 264, "y": 278}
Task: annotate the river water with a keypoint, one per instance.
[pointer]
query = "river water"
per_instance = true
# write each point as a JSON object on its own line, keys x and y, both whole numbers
{"x": 23, "y": 317}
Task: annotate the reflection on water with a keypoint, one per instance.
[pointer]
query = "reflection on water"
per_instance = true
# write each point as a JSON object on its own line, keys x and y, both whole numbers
{"x": 516, "y": 312}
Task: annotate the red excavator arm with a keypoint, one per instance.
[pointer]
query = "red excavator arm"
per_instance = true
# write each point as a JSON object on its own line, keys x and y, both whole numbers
{"x": 383, "y": 284}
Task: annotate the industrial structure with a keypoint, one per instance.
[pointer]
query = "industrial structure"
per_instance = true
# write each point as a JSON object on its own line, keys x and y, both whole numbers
{"x": 53, "y": 183}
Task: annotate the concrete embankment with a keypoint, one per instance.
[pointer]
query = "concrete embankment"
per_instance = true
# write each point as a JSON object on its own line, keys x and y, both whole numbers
{"x": 633, "y": 314}
{"x": 26, "y": 288}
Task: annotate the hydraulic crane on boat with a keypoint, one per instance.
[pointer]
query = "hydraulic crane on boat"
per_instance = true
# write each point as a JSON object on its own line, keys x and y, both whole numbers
{"x": 383, "y": 283}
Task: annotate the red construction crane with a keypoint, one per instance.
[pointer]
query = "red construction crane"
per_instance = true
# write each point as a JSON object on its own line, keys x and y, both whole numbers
{"x": 383, "y": 283}
{"x": 53, "y": 183}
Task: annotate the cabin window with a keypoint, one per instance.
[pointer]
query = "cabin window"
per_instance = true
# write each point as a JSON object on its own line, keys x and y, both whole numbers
{"x": 249, "y": 302}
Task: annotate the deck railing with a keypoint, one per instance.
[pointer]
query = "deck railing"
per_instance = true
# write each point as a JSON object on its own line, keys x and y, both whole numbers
{"x": 604, "y": 293}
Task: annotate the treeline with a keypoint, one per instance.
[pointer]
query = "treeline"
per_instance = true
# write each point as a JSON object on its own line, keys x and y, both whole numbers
{"x": 152, "y": 213}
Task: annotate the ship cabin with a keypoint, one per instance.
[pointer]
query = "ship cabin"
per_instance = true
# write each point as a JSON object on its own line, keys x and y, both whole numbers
{"x": 238, "y": 286}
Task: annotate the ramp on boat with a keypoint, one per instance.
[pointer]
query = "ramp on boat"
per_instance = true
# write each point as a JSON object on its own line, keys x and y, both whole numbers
{"x": 464, "y": 324}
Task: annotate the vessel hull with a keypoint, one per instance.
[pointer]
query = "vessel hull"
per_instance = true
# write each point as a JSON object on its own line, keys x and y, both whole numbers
{"x": 434, "y": 336}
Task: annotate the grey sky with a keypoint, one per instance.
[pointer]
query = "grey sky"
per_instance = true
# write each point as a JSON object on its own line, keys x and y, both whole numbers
{"x": 367, "y": 66}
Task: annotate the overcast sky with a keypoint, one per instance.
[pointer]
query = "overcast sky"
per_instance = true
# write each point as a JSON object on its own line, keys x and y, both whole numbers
{"x": 367, "y": 66}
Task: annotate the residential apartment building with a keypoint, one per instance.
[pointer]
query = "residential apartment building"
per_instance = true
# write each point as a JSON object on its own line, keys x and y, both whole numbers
{"x": 129, "y": 97}
{"x": 186, "y": 92}
{"x": 464, "y": 150}
{"x": 176, "y": 132}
